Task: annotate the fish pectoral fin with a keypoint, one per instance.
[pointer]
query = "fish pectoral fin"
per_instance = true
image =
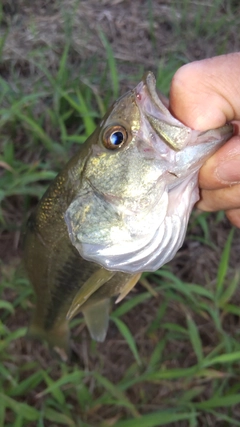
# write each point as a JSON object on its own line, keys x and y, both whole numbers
{"x": 128, "y": 287}
{"x": 97, "y": 317}
{"x": 95, "y": 281}
{"x": 176, "y": 137}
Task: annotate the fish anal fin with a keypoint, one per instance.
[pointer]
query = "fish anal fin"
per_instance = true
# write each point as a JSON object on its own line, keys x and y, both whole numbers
{"x": 97, "y": 318}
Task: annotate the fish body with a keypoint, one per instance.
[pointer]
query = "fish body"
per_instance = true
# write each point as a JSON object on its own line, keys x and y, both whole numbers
{"x": 119, "y": 207}
{"x": 57, "y": 271}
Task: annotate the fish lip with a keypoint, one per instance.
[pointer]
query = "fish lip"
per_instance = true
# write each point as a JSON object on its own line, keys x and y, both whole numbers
{"x": 148, "y": 83}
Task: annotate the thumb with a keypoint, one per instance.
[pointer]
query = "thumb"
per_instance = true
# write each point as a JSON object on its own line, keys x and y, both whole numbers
{"x": 206, "y": 94}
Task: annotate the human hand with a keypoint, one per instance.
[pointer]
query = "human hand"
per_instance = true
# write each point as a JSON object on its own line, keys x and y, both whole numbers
{"x": 205, "y": 95}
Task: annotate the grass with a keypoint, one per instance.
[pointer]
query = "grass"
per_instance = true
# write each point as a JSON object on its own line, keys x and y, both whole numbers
{"x": 172, "y": 352}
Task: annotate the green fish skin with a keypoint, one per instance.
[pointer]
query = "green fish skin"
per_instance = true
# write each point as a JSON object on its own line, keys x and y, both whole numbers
{"x": 119, "y": 207}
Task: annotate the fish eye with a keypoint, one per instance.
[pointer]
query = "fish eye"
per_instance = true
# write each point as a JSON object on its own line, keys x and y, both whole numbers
{"x": 114, "y": 137}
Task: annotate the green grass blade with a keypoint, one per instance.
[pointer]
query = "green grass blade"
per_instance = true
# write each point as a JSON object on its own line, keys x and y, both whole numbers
{"x": 172, "y": 374}
{"x": 37, "y": 130}
{"x": 6, "y": 375}
{"x": 81, "y": 107}
{"x": 29, "y": 383}
{"x": 61, "y": 74}
{"x": 155, "y": 419}
{"x": 116, "y": 392}
{"x": 21, "y": 409}
{"x": 86, "y": 117}
{"x": 128, "y": 305}
{"x": 230, "y": 290}
{"x": 199, "y": 290}
{"x": 219, "y": 402}
{"x": 5, "y": 305}
{"x": 2, "y": 413}
{"x": 123, "y": 329}
{"x": 2, "y": 41}
{"x": 195, "y": 338}
{"x": 156, "y": 355}
{"x": 80, "y": 139}
{"x": 55, "y": 391}
{"x": 27, "y": 100}
{"x": 175, "y": 328}
{"x": 19, "y": 422}
{"x": 223, "y": 417}
{"x": 18, "y": 333}
{"x": 223, "y": 266}
{"x": 71, "y": 378}
{"x": 233, "y": 309}
{"x": 223, "y": 358}
{"x": 111, "y": 64}
{"x": 58, "y": 417}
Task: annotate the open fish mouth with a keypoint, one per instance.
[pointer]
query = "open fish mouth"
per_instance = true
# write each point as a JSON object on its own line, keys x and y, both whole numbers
{"x": 171, "y": 131}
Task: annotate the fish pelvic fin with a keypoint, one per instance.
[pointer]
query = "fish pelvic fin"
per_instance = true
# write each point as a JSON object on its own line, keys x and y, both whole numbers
{"x": 57, "y": 338}
{"x": 97, "y": 317}
{"x": 129, "y": 285}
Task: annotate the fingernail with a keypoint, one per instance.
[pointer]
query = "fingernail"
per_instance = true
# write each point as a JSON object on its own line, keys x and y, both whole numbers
{"x": 228, "y": 172}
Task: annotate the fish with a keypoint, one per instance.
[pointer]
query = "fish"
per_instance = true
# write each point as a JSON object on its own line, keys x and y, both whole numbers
{"x": 118, "y": 208}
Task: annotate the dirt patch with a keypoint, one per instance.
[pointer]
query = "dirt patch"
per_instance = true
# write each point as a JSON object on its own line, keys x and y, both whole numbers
{"x": 140, "y": 33}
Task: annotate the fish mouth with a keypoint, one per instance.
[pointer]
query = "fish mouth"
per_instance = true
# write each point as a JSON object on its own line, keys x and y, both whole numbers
{"x": 171, "y": 131}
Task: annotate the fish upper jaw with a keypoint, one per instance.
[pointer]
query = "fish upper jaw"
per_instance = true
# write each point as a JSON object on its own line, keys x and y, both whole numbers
{"x": 170, "y": 130}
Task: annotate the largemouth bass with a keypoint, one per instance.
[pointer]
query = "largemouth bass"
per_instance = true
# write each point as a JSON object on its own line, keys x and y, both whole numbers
{"x": 119, "y": 207}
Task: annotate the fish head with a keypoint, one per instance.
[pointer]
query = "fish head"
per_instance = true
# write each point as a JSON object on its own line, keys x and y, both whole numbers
{"x": 139, "y": 183}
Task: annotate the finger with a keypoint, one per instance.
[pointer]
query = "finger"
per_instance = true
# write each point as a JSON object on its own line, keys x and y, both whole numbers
{"x": 234, "y": 216}
{"x": 205, "y": 94}
{"x": 223, "y": 199}
{"x": 223, "y": 168}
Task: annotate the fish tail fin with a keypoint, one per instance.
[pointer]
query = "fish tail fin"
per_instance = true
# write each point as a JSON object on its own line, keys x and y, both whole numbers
{"x": 97, "y": 317}
{"x": 57, "y": 337}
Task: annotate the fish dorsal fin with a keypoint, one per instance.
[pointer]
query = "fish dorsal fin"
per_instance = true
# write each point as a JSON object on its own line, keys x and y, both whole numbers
{"x": 97, "y": 317}
{"x": 95, "y": 281}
